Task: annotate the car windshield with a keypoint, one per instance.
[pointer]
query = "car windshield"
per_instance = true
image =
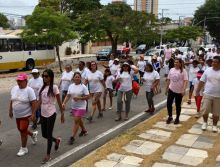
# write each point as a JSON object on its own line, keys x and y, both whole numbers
{"x": 106, "y": 50}
{"x": 151, "y": 52}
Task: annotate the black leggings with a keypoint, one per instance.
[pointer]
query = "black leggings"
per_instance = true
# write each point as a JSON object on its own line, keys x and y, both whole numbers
{"x": 178, "y": 100}
{"x": 47, "y": 125}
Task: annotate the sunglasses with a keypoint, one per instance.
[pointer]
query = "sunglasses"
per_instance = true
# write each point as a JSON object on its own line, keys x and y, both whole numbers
{"x": 45, "y": 76}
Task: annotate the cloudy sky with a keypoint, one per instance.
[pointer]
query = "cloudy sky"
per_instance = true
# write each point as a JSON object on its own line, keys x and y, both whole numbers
{"x": 175, "y": 8}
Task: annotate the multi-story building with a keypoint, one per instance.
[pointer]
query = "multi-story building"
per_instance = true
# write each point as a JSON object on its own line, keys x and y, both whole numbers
{"x": 148, "y": 6}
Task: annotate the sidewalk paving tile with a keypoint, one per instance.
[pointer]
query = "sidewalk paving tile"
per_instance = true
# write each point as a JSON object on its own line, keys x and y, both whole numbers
{"x": 164, "y": 165}
{"x": 115, "y": 157}
{"x": 187, "y": 140}
{"x": 125, "y": 165}
{"x": 145, "y": 149}
{"x": 188, "y": 156}
{"x": 132, "y": 160}
{"x": 163, "y": 125}
{"x": 156, "y": 135}
{"x": 210, "y": 121}
{"x": 192, "y": 105}
{"x": 105, "y": 163}
{"x": 196, "y": 129}
{"x": 218, "y": 161}
{"x": 188, "y": 111}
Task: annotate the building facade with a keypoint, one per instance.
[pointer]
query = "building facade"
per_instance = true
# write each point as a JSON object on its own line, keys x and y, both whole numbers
{"x": 148, "y": 6}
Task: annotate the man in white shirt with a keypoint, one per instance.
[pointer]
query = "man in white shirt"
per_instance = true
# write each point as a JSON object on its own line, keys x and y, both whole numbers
{"x": 211, "y": 99}
{"x": 209, "y": 54}
{"x": 36, "y": 84}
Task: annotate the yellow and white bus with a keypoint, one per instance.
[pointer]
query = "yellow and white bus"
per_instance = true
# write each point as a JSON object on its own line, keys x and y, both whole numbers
{"x": 15, "y": 54}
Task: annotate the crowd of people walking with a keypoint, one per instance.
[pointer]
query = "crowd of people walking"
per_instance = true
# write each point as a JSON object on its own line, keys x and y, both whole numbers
{"x": 34, "y": 99}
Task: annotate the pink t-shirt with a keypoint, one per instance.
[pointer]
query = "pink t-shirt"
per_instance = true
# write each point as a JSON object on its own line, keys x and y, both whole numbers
{"x": 167, "y": 53}
{"x": 177, "y": 79}
{"x": 48, "y": 107}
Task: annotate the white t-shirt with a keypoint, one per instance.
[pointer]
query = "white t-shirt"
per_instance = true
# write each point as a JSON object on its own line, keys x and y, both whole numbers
{"x": 114, "y": 69}
{"x": 209, "y": 55}
{"x": 192, "y": 72}
{"x": 21, "y": 99}
{"x": 212, "y": 82}
{"x": 195, "y": 83}
{"x": 126, "y": 81}
{"x": 36, "y": 84}
{"x": 149, "y": 78}
{"x": 109, "y": 81}
{"x": 83, "y": 73}
{"x": 94, "y": 79}
{"x": 110, "y": 63}
{"x": 141, "y": 65}
{"x": 78, "y": 91}
{"x": 66, "y": 80}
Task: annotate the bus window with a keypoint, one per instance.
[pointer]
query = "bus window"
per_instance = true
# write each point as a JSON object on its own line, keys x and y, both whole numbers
{"x": 3, "y": 45}
{"x": 50, "y": 47}
{"x": 29, "y": 46}
{"x": 41, "y": 47}
{"x": 14, "y": 45}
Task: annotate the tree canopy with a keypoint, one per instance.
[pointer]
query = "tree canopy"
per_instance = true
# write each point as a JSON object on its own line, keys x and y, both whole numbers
{"x": 183, "y": 34}
{"x": 209, "y": 13}
{"x": 47, "y": 25}
{"x": 3, "y": 21}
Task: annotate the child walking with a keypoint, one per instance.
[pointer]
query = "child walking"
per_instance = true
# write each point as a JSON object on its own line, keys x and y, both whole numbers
{"x": 198, "y": 97}
{"x": 109, "y": 79}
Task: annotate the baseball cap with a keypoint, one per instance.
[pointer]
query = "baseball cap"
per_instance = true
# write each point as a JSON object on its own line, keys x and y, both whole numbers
{"x": 126, "y": 63}
{"x": 116, "y": 59}
{"x": 22, "y": 77}
{"x": 35, "y": 71}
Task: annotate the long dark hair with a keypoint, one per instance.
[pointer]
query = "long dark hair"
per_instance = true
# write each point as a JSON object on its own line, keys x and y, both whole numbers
{"x": 122, "y": 70}
{"x": 77, "y": 73}
{"x": 107, "y": 70}
{"x": 181, "y": 64}
{"x": 50, "y": 90}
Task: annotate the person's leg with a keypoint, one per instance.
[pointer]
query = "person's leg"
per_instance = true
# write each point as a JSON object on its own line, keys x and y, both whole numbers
{"x": 148, "y": 101}
{"x": 191, "y": 88}
{"x": 151, "y": 102}
{"x": 205, "y": 109}
{"x": 216, "y": 111}
{"x": 119, "y": 104}
{"x": 128, "y": 97}
{"x": 170, "y": 98}
{"x": 110, "y": 98}
{"x": 93, "y": 105}
{"x": 64, "y": 93}
{"x": 76, "y": 126}
{"x": 22, "y": 125}
{"x": 82, "y": 125}
{"x": 178, "y": 102}
{"x": 44, "y": 127}
{"x": 104, "y": 99}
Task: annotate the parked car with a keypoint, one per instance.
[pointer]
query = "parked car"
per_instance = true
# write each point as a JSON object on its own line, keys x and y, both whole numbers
{"x": 105, "y": 53}
{"x": 149, "y": 53}
{"x": 141, "y": 49}
{"x": 184, "y": 50}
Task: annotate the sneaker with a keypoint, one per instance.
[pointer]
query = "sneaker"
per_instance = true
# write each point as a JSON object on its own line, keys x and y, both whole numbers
{"x": 71, "y": 140}
{"x": 89, "y": 119}
{"x": 57, "y": 145}
{"x": 22, "y": 151}
{"x": 214, "y": 129}
{"x": 45, "y": 160}
{"x": 100, "y": 115}
{"x": 204, "y": 126}
{"x": 34, "y": 137}
{"x": 169, "y": 120}
{"x": 198, "y": 115}
{"x": 83, "y": 133}
{"x": 177, "y": 121}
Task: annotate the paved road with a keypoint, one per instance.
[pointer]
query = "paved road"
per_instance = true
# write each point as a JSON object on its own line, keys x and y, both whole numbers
{"x": 10, "y": 135}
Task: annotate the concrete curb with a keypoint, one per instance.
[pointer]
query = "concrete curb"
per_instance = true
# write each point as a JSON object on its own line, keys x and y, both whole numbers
{"x": 80, "y": 151}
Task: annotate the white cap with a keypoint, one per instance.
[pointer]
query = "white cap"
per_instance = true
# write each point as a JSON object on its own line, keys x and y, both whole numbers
{"x": 126, "y": 63}
{"x": 35, "y": 71}
{"x": 116, "y": 59}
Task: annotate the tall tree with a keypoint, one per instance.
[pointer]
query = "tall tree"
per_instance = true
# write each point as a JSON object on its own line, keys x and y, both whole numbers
{"x": 183, "y": 34}
{"x": 115, "y": 22}
{"x": 3, "y": 21}
{"x": 47, "y": 25}
{"x": 209, "y": 15}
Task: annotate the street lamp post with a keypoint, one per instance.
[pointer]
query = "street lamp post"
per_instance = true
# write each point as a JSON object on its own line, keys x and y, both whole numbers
{"x": 161, "y": 33}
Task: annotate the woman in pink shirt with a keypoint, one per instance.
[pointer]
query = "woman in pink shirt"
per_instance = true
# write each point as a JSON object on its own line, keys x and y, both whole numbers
{"x": 49, "y": 93}
{"x": 176, "y": 85}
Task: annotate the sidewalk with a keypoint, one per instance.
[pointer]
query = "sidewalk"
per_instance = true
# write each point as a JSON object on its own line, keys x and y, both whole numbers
{"x": 154, "y": 143}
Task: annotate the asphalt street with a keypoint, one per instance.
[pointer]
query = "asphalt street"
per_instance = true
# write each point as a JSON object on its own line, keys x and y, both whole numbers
{"x": 11, "y": 138}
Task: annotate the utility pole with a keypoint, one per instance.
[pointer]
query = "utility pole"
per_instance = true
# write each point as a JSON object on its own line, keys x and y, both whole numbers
{"x": 161, "y": 27}
{"x": 204, "y": 29}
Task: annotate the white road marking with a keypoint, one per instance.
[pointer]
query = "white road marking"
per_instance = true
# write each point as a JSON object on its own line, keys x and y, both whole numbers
{"x": 74, "y": 150}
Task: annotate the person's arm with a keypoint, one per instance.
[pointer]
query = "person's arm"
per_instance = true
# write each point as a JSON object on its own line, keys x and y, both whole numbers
{"x": 60, "y": 106}
{"x": 155, "y": 83}
{"x": 85, "y": 97}
{"x": 167, "y": 86}
{"x": 10, "y": 110}
{"x": 135, "y": 69}
{"x": 184, "y": 87}
{"x": 66, "y": 100}
{"x": 200, "y": 86}
{"x": 103, "y": 83}
{"x": 105, "y": 66}
{"x": 86, "y": 82}
{"x": 33, "y": 108}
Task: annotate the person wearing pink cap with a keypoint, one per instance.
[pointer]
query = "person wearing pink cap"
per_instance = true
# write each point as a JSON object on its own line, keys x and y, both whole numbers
{"x": 23, "y": 107}
{"x": 198, "y": 97}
